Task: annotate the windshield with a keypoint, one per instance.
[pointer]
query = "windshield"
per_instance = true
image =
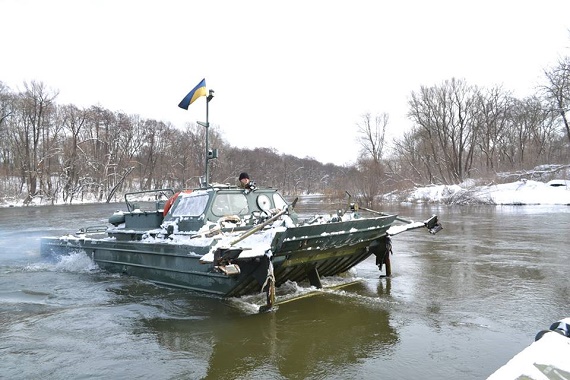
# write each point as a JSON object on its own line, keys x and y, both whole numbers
{"x": 230, "y": 204}
{"x": 191, "y": 206}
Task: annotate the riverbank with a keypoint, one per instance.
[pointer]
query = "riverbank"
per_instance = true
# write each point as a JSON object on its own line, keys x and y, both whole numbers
{"x": 523, "y": 192}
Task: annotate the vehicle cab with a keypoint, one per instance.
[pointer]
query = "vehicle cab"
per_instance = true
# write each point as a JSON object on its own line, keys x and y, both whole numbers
{"x": 229, "y": 206}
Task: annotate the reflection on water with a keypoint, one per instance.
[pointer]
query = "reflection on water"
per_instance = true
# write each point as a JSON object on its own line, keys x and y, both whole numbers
{"x": 458, "y": 305}
{"x": 302, "y": 339}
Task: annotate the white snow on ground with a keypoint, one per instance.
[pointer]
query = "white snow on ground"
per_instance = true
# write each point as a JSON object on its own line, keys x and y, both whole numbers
{"x": 514, "y": 193}
{"x": 524, "y": 192}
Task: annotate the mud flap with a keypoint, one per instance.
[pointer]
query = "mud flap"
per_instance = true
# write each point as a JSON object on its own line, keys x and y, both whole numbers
{"x": 314, "y": 278}
{"x": 223, "y": 256}
{"x": 266, "y": 278}
{"x": 382, "y": 254}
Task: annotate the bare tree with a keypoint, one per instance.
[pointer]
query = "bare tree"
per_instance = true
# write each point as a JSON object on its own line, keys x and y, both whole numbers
{"x": 32, "y": 134}
{"x": 557, "y": 90}
{"x": 98, "y": 145}
{"x": 446, "y": 116}
{"x": 531, "y": 135}
{"x": 372, "y": 136}
{"x": 372, "y": 139}
{"x": 7, "y": 109}
{"x": 412, "y": 161}
{"x": 73, "y": 120}
{"x": 493, "y": 120}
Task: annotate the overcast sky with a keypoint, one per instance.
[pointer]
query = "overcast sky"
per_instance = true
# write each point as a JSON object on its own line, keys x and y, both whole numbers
{"x": 295, "y": 76}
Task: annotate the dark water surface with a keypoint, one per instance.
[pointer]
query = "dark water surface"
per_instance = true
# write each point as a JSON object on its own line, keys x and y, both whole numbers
{"x": 459, "y": 305}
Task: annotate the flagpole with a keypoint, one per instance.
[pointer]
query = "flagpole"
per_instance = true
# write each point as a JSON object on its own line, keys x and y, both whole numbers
{"x": 207, "y": 174}
{"x": 198, "y": 91}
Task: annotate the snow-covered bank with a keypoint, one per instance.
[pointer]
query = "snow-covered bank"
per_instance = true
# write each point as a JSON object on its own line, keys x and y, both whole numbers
{"x": 524, "y": 192}
{"x": 14, "y": 202}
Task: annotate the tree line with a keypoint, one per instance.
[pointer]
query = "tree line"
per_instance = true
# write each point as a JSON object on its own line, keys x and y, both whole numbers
{"x": 63, "y": 152}
{"x": 459, "y": 131}
{"x": 463, "y": 131}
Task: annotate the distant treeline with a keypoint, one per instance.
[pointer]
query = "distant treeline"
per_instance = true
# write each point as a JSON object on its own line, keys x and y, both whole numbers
{"x": 62, "y": 152}
{"x": 460, "y": 131}
{"x": 463, "y": 131}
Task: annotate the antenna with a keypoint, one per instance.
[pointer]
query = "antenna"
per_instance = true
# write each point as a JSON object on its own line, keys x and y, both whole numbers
{"x": 208, "y": 155}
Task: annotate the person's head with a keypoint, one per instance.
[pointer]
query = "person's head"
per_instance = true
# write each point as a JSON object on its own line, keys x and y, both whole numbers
{"x": 244, "y": 178}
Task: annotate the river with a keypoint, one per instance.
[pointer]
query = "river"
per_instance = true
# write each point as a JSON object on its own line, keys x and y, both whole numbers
{"x": 459, "y": 305}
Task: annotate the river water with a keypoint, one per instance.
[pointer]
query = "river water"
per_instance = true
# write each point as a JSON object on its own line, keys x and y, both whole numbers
{"x": 459, "y": 305}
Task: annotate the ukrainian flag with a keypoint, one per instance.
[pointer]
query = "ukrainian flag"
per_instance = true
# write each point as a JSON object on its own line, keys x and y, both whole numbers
{"x": 199, "y": 90}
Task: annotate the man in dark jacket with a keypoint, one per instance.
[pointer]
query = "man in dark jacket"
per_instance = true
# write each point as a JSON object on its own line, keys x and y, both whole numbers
{"x": 245, "y": 182}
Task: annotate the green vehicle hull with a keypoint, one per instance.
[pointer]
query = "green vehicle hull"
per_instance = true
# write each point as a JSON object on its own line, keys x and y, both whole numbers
{"x": 298, "y": 254}
{"x": 230, "y": 242}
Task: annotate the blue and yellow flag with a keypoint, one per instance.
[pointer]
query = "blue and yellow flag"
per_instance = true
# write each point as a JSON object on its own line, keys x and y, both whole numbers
{"x": 199, "y": 90}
